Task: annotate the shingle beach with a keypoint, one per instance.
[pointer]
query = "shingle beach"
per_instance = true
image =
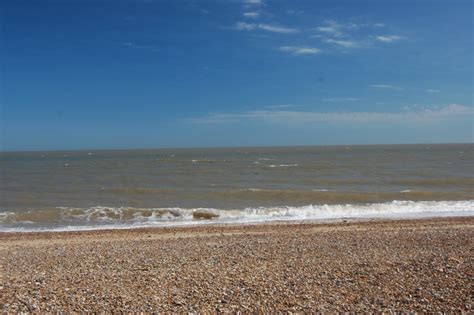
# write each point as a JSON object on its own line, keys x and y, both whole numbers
{"x": 406, "y": 265}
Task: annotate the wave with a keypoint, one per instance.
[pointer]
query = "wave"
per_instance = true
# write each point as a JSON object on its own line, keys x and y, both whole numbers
{"x": 67, "y": 218}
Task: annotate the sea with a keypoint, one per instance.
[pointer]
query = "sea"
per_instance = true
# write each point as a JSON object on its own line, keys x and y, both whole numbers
{"x": 102, "y": 189}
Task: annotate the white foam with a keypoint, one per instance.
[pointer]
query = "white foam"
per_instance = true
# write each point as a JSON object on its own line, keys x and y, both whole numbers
{"x": 283, "y": 165}
{"x": 109, "y": 217}
{"x": 251, "y": 189}
{"x": 376, "y": 210}
{"x": 4, "y": 215}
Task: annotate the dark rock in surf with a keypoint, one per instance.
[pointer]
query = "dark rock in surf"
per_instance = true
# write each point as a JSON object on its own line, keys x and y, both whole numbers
{"x": 204, "y": 215}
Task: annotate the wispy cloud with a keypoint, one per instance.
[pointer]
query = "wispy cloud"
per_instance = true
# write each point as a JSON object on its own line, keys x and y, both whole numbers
{"x": 413, "y": 116}
{"x": 388, "y": 38}
{"x": 277, "y": 29}
{"x": 243, "y": 26}
{"x": 333, "y": 28}
{"x": 137, "y": 46}
{"x": 340, "y": 99}
{"x": 279, "y": 106}
{"x": 300, "y": 50}
{"x": 294, "y": 12}
{"x": 432, "y": 91}
{"x": 387, "y": 86}
{"x": 352, "y": 35}
{"x": 329, "y": 30}
{"x": 251, "y": 15}
{"x": 343, "y": 43}
{"x": 253, "y": 1}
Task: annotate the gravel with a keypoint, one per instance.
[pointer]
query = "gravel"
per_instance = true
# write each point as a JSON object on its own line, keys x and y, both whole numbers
{"x": 408, "y": 265}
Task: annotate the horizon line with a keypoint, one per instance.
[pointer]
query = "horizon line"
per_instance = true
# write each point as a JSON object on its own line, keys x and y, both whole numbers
{"x": 237, "y": 147}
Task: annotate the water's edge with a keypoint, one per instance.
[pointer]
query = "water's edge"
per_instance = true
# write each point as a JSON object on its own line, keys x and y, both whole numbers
{"x": 100, "y": 218}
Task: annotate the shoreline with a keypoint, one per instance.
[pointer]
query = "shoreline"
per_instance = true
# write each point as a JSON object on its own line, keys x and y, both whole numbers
{"x": 356, "y": 265}
{"x": 217, "y": 222}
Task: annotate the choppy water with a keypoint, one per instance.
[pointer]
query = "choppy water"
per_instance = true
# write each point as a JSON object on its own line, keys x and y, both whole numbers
{"x": 93, "y": 189}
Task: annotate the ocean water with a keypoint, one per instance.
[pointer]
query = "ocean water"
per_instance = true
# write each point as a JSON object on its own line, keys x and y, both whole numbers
{"x": 134, "y": 188}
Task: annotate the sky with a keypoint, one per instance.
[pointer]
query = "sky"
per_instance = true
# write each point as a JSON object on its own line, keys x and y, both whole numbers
{"x": 97, "y": 74}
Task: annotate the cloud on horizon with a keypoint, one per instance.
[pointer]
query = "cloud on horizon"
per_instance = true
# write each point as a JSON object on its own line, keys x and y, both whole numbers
{"x": 425, "y": 115}
{"x": 340, "y": 99}
{"x": 279, "y": 106}
{"x": 387, "y": 86}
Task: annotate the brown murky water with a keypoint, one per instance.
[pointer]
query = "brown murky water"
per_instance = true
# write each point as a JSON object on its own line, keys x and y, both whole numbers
{"x": 132, "y": 187}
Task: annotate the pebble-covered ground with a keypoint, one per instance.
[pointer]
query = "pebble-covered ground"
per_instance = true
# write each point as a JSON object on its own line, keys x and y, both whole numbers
{"x": 413, "y": 265}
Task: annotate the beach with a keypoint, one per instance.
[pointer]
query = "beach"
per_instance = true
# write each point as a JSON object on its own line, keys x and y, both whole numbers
{"x": 346, "y": 265}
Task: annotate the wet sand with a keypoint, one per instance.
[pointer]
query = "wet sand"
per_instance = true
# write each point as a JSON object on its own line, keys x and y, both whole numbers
{"x": 404, "y": 265}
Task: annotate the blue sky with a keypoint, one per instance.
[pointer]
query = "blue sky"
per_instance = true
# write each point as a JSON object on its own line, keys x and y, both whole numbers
{"x": 150, "y": 73}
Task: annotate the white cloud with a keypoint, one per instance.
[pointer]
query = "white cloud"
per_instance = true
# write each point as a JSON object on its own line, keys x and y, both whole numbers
{"x": 251, "y": 15}
{"x": 277, "y": 29}
{"x": 352, "y": 35}
{"x": 340, "y": 99}
{"x": 243, "y": 26}
{"x": 280, "y": 116}
{"x": 388, "y": 38}
{"x": 432, "y": 91}
{"x": 335, "y": 29}
{"x": 253, "y": 1}
{"x": 299, "y": 50}
{"x": 386, "y": 86}
{"x": 279, "y": 106}
{"x": 331, "y": 28}
{"x": 343, "y": 43}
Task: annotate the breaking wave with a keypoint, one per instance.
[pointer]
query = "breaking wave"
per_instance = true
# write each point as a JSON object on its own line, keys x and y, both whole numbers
{"x": 68, "y": 218}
